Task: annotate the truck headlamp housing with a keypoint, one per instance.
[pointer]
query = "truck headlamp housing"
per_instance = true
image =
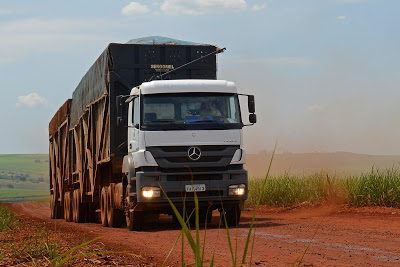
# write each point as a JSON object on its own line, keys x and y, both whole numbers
{"x": 151, "y": 191}
{"x": 237, "y": 190}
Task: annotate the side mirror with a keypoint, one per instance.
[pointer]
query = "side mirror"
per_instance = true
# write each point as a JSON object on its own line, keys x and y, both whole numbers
{"x": 252, "y": 118}
{"x": 251, "y": 104}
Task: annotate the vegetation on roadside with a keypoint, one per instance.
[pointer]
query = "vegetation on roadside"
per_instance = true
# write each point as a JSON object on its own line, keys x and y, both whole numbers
{"x": 195, "y": 242}
{"x": 24, "y": 177}
{"x": 375, "y": 188}
{"x": 7, "y": 219}
{"x": 22, "y": 243}
{"x": 36, "y": 165}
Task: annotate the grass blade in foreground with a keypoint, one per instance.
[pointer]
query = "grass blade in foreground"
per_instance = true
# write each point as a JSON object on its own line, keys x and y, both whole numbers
{"x": 227, "y": 233}
{"x": 308, "y": 245}
{"x": 170, "y": 252}
{"x": 256, "y": 209}
{"x": 182, "y": 223}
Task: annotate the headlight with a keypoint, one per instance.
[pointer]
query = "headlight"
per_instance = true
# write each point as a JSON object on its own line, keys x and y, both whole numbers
{"x": 237, "y": 190}
{"x": 151, "y": 191}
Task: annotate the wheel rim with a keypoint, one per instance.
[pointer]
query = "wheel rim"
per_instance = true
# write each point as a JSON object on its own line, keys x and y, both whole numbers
{"x": 127, "y": 207}
{"x": 109, "y": 208}
{"x": 52, "y": 206}
{"x": 103, "y": 206}
{"x": 67, "y": 207}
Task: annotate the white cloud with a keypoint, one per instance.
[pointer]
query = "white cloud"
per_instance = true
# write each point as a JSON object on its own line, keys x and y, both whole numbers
{"x": 7, "y": 11}
{"x": 22, "y": 37}
{"x": 201, "y": 7}
{"x": 353, "y": 1}
{"x": 32, "y": 100}
{"x": 341, "y": 17}
{"x": 282, "y": 61}
{"x": 316, "y": 108}
{"x": 259, "y": 7}
{"x": 134, "y": 8}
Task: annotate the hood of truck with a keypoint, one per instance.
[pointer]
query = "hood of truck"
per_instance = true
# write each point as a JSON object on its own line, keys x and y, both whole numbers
{"x": 192, "y": 137}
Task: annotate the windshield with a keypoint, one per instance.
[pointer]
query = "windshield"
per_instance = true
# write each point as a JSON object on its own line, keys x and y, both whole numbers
{"x": 190, "y": 111}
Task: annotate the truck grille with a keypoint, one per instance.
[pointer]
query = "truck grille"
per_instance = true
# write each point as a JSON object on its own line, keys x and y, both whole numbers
{"x": 177, "y": 156}
{"x": 194, "y": 177}
{"x": 214, "y": 193}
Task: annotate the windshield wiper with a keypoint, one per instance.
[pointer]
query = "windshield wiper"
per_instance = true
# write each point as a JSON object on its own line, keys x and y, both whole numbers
{"x": 214, "y": 122}
{"x": 171, "y": 122}
{"x": 161, "y": 121}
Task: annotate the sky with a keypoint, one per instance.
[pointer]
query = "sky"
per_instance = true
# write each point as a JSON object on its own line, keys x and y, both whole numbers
{"x": 325, "y": 74}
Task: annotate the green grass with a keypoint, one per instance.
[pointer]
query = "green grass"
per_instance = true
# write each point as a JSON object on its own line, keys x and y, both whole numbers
{"x": 33, "y": 164}
{"x": 8, "y": 193}
{"x": 30, "y": 166}
{"x": 27, "y": 185}
{"x": 22, "y": 191}
{"x": 22, "y": 195}
{"x": 375, "y": 188}
{"x": 7, "y": 219}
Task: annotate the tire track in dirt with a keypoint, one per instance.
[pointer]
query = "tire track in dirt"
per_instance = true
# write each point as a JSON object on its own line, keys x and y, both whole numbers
{"x": 345, "y": 236}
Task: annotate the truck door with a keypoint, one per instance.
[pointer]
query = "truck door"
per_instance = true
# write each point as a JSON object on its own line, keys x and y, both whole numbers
{"x": 134, "y": 120}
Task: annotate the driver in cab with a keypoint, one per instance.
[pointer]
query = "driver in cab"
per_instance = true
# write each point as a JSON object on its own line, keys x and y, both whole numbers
{"x": 209, "y": 108}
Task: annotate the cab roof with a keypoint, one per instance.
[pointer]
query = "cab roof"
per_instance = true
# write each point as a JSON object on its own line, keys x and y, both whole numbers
{"x": 185, "y": 86}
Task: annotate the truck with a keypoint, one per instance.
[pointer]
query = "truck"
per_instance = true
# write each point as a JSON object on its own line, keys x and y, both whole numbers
{"x": 149, "y": 123}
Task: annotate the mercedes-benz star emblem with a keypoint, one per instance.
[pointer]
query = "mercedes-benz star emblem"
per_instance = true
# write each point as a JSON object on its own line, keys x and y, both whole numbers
{"x": 194, "y": 153}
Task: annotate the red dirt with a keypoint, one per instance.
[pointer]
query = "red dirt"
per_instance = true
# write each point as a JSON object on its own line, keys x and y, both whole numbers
{"x": 341, "y": 236}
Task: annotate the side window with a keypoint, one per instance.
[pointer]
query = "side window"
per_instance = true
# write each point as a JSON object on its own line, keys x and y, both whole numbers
{"x": 135, "y": 112}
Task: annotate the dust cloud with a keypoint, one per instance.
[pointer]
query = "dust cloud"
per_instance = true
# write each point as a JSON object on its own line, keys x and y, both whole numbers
{"x": 341, "y": 103}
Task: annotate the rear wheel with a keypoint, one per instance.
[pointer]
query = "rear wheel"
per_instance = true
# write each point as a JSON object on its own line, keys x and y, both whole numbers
{"x": 78, "y": 209}
{"x": 55, "y": 209}
{"x": 67, "y": 206}
{"x": 113, "y": 215}
{"x": 103, "y": 206}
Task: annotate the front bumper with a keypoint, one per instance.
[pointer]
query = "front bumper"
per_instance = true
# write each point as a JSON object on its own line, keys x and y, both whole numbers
{"x": 174, "y": 184}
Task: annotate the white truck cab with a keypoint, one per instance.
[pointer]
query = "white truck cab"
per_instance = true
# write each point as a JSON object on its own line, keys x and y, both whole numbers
{"x": 185, "y": 136}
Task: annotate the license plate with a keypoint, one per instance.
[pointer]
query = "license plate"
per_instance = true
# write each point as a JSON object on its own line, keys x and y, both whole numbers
{"x": 197, "y": 187}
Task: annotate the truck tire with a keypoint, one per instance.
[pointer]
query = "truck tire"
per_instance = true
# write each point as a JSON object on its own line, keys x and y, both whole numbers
{"x": 78, "y": 208}
{"x": 67, "y": 206}
{"x": 203, "y": 216}
{"x": 127, "y": 207}
{"x": 55, "y": 209}
{"x": 136, "y": 220}
{"x": 232, "y": 215}
{"x": 103, "y": 206}
{"x": 113, "y": 215}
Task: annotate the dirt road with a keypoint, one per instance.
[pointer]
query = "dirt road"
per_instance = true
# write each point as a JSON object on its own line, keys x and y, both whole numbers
{"x": 341, "y": 236}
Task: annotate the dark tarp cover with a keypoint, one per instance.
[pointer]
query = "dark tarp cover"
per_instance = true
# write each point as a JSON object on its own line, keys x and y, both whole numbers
{"x": 160, "y": 40}
{"x": 92, "y": 86}
{"x": 134, "y": 63}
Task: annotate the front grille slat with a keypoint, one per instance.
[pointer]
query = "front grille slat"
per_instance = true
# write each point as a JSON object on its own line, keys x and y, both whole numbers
{"x": 199, "y": 194}
{"x": 194, "y": 177}
{"x": 177, "y": 156}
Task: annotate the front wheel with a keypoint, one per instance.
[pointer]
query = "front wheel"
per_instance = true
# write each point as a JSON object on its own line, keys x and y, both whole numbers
{"x": 232, "y": 215}
{"x": 136, "y": 220}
